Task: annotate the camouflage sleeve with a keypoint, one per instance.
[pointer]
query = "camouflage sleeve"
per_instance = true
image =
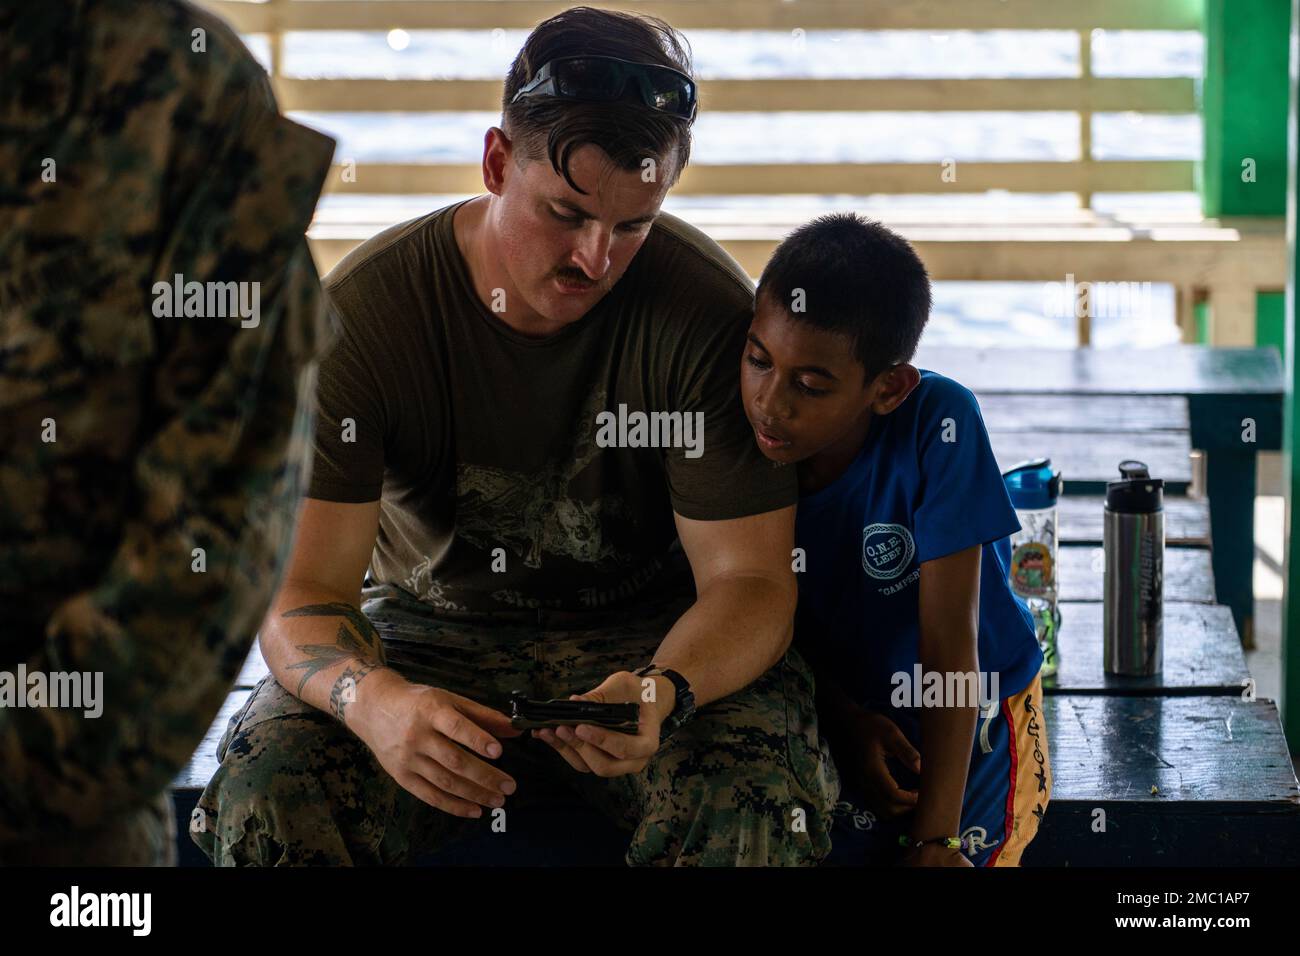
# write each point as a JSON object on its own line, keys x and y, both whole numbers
{"x": 221, "y": 453}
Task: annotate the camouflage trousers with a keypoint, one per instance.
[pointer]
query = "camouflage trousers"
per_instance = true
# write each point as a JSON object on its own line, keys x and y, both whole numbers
{"x": 747, "y": 782}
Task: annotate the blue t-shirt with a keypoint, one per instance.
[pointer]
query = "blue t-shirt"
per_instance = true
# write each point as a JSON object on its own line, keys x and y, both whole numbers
{"x": 924, "y": 485}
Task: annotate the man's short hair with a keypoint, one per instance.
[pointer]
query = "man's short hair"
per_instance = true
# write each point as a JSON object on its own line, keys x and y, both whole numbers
{"x": 628, "y": 130}
{"x": 858, "y": 279}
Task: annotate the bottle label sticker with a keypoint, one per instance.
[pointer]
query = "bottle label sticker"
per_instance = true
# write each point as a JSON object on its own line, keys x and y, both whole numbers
{"x": 1031, "y": 569}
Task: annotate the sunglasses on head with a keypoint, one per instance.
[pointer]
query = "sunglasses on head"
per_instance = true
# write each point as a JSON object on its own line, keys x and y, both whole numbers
{"x": 605, "y": 78}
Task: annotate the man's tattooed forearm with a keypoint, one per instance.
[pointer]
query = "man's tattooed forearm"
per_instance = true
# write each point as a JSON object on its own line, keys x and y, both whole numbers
{"x": 361, "y": 641}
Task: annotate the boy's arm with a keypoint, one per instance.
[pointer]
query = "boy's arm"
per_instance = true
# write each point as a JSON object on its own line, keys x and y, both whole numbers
{"x": 949, "y": 629}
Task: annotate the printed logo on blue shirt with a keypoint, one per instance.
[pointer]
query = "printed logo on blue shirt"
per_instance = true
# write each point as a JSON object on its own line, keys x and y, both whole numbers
{"x": 887, "y": 550}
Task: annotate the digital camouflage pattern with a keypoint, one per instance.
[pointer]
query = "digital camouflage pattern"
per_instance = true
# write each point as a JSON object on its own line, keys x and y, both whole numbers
{"x": 170, "y": 434}
{"x": 747, "y": 782}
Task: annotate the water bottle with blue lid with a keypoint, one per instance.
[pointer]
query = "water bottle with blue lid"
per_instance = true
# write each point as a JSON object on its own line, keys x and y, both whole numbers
{"x": 1034, "y": 489}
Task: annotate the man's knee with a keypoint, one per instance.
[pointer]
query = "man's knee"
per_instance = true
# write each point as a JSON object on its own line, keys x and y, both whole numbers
{"x": 749, "y": 782}
{"x": 745, "y": 815}
{"x": 292, "y": 789}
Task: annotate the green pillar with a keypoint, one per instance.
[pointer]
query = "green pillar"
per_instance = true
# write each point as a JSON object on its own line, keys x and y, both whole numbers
{"x": 1243, "y": 111}
{"x": 1289, "y": 701}
{"x": 1245, "y": 97}
{"x": 1244, "y": 103}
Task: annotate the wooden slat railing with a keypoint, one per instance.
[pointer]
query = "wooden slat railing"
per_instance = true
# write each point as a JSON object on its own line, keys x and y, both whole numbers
{"x": 722, "y": 14}
{"x": 1225, "y": 268}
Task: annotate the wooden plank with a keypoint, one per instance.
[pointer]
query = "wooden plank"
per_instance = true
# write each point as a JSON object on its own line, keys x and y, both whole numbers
{"x": 203, "y": 764}
{"x": 1182, "y": 781}
{"x": 1072, "y": 413}
{"x": 1016, "y": 253}
{"x": 725, "y": 14}
{"x": 1218, "y": 749}
{"x": 1165, "y": 370}
{"x": 733, "y": 179}
{"x": 1007, "y": 214}
{"x": 1187, "y": 520}
{"x": 1202, "y": 654}
{"x": 1036, "y": 255}
{"x": 1140, "y": 95}
{"x": 1087, "y": 460}
{"x": 1188, "y": 574}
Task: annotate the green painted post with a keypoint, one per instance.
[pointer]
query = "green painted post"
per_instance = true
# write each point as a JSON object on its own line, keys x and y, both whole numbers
{"x": 1244, "y": 106}
{"x": 1291, "y": 416}
{"x": 1270, "y": 320}
{"x": 1245, "y": 96}
{"x": 1244, "y": 101}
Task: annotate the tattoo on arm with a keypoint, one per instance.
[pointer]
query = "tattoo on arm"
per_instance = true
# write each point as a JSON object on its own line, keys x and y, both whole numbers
{"x": 360, "y": 640}
{"x": 344, "y": 690}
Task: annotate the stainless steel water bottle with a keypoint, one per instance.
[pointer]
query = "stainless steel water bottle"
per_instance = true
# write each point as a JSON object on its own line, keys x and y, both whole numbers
{"x": 1134, "y": 540}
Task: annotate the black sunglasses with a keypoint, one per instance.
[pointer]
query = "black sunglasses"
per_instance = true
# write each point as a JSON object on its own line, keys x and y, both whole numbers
{"x": 604, "y": 78}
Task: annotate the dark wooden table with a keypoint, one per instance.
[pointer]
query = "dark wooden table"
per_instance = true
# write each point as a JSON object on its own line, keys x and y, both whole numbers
{"x": 1187, "y": 520}
{"x": 1087, "y": 436}
{"x": 1188, "y": 574}
{"x": 1234, "y": 404}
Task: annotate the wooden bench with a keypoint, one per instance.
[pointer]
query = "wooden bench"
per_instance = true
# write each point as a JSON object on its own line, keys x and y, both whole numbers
{"x": 1202, "y": 654}
{"x": 1225, "y": 791}
{"x": 1203, "y": 660}
{"x": 1182, "y": 781}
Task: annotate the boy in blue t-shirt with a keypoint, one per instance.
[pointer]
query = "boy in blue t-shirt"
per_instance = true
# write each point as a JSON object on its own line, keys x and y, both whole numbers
{"x": 927, "y": 663}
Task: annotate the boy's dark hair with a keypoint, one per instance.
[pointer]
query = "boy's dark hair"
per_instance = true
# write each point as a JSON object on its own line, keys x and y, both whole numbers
{"x": 859, "y": 279}
{"x": 628, "y": 130}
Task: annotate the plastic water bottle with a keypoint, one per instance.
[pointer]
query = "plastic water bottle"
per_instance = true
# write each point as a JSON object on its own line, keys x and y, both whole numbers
{"x": 1034, "y": 489}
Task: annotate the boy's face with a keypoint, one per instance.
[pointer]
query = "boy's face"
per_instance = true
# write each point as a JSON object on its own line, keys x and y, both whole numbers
{"x": 803, "y": 390}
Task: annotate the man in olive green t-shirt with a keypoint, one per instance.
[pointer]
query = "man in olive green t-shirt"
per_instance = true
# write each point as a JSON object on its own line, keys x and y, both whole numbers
{"x": 533, "y": 400}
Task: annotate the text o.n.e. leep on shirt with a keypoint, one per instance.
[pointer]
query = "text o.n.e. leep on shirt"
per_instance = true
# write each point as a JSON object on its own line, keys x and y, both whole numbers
{"x": 887, "y": 550}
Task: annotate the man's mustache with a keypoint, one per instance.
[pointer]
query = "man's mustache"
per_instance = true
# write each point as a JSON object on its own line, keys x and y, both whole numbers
{"x": 575, "y": 279}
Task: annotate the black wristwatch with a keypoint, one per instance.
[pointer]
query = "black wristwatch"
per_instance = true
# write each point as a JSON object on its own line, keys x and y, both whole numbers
{"x": 683, "y": 702}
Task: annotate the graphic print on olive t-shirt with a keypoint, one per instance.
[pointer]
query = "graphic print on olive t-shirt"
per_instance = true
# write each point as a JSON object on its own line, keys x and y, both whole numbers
{"x": 535, "y": 515}
{"x": 532, "y": 515}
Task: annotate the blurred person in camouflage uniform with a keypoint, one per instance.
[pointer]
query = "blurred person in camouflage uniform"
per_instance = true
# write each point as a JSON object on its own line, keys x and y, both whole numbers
{"x": 467, "y": 457}
{"x": 150, "y": 463}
